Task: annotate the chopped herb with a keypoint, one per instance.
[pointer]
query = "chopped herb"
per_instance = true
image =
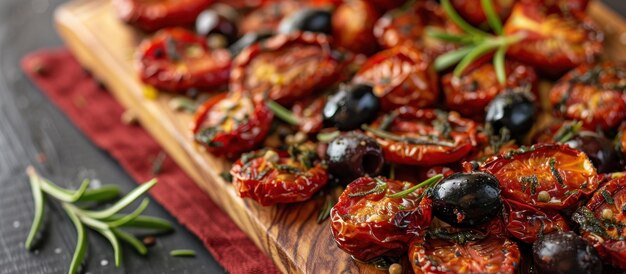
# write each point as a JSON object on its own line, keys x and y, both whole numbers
{"x": 182, "y": 253}
{"x": 226, "y": 176}
{"x": 607, "y": 197}
{"x": 380, "y": 187}
{"x": 387, "y": 120}
{"x": 555, "y": 172}
{"x": 406, "y": 139}
{"x": 157, "y": 164}
{"x": 441, "y": 124}
{"x": 529, "y": 181}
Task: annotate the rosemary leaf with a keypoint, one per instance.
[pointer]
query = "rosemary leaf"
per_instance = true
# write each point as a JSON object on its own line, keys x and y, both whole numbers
{"x": 380, "y": 187}
{"x": 450, "y": 58}
{"x": 182, "y": 253}
{"x": 60, "y": 193}
{"x": 473, "y": 55}
{"x": 144, "y": 222}
{"x": 498, "y": 63}
{"x": 117, "y": 251}
{"x": 102, "y": 194}
{"x": 450, "y": 37}
{"x": 324, "y": 212}
{"x": 492, "y": 17}
{"x": 81, "y": 241}
{"x": 282, "y": 113}
{"x": 459, "y": 21}
{"x": 38, "y": 202}
{"x": 132, "y": 240}
{"x": 127, "y": 218}
{"x": 427, "y": 183}
{"x": 122, "y": 203}
{"x": 326, "y": 137}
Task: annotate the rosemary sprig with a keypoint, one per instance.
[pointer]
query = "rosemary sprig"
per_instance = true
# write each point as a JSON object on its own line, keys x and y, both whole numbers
{"x": 282, "y": 113}
{"x": 380, "y": 187}
{"x": 567, "y": 131}
{"x": 107, "y": 222}
{"x": 407, "y": 139}
{"x": 427, "y": 183}
{"x": 477, "y": 42}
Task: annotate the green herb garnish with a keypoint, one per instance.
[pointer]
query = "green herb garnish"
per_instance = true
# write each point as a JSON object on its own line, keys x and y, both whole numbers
{"x": 427, "y": 183}
{"x": 282, "y": 113}
{"x": 475, "y": 42}
{"x": 108, "y": 222}
{"x": 182, "y": 253}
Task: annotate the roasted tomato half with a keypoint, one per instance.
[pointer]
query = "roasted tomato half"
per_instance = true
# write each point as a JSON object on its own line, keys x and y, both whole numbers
{"x": 401, "y": 76}
{"x": 269, "y": 178}
{"x": 424, "y": 137}
{"x": 401, "y": 26}
{"x": 154, "y": 15}
{"x": 367, "y": 223}
{"x": 309, "y": 113}
{"x": 553, "y": 43}
{"x": 228, "y": 125}
{"x": 594, "y": 94}
{"x": 353, "y": 22}
{"x": 463, "y": 254}
{"x": 545, "y": 175}
{"x": 470, "y": 93}
{"x": 286, "y": 67}
{"x": 528, "y": 223}
{"x": 177, "y": 60}
{"x": 472, "y": 10}
{"x": 603, "y": 222}
{"x": 267, "y": 17}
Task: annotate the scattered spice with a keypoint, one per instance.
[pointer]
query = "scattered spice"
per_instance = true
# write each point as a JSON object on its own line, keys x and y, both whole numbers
{"x": 149, "y": 240}
{"x": 157, "y": 164}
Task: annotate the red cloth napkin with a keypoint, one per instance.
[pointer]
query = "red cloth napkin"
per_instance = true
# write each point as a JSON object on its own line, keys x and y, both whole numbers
{"x": 92, "y": 109}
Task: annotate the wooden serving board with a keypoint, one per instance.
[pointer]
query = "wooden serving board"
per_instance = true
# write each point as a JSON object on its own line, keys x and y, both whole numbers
{"x": 289, "y": 234}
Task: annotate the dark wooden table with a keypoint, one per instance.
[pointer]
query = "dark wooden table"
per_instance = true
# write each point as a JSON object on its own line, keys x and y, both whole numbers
{"x": 30, "y": 125}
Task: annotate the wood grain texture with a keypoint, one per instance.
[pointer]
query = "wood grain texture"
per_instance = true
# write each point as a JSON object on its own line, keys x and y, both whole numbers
{"x": 288, "y": 233}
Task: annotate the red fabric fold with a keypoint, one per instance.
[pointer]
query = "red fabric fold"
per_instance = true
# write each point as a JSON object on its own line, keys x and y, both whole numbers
{"x": 96, "y": 113}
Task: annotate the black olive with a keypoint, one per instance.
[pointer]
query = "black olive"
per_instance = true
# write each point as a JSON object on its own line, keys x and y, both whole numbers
{"x": 313, "y": 20}
{"x": 513, "y": 110}
{"x": 220, "y": 30}
{"x": 351, "y": 107}
{"x": 353, "y": 155}
{"x": 467, "y": 199}
{"x": 565, "y": 252}
{"x": 599, "y": 149}
{"x": 247, "y": 40}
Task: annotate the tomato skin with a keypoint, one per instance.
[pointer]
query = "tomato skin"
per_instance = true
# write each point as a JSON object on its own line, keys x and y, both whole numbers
{"x": 398, "y": 27}
{"x": 527, "y": 223}
{"x": 353, "y": 23}
{"x": 525, "y": 173}
{"x": 472, "y": 11}
{"x": 553, "y": 43}
{"x": 267, "y": 16}
{"x": 374, "y": 225}
{"x": 286, "y": 68}
{"x": 400, "y": 76}
{"x": 264, "y": 182}
{"x": 243, "y": 137}
{"x": 151, "y": 16}
{"x": 413, "y": 122}
{"x": 606, "y": 235}
{"x": 472, "y": 92}
{"x": 489, "y": 255}
{"x": 194, "y": 66}
{"x": 309, "y": 112}
{"x": 593, "y": 94}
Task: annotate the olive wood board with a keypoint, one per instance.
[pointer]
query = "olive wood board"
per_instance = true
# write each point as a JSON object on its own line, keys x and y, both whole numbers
{"x": 288, "y": 234}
